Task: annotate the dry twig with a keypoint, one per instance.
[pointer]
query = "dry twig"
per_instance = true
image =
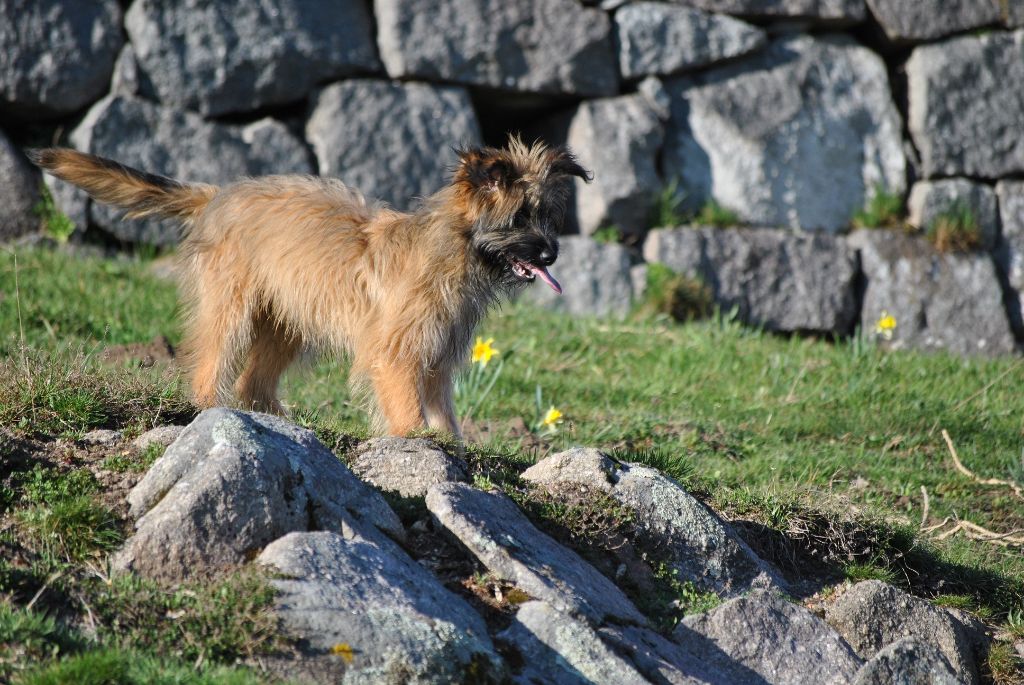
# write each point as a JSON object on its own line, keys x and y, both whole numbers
{"x": 1017, "y": 489}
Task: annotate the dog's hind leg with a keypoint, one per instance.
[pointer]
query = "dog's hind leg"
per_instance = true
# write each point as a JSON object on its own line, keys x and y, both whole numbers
{"x": 217, "y": 337}
{"x": 273, "y": 349}
{"x": 397, "y": 386}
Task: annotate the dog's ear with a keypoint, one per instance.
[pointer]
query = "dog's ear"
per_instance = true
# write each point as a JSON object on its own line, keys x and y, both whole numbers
{"x": 486, "y": 169}
{"x": 563, "y": 163}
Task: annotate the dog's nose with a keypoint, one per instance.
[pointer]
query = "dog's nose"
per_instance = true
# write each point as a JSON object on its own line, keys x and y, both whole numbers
{"x": 547, "y": 257}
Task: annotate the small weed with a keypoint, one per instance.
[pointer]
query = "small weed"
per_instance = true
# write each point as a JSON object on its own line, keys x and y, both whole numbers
{"x": 30, "y": 637}
{"x": 1004, "y": 665}
{"x": 672, "y": 463}
{"x": 884, "y": 209}
{"x": 668, "y": 207}
{"x": 592, "y": 518}
{"x": 964, "y": 602}
{"x": 138, "y": 463}
{"x": 955, "y": 230}
{"x": 714, "y": 214}
{"x": 44, "y": 485}
{"x": 1015, "y": 623}
{"x": 56, "y": 223}
{"x": 857, "y": 571}
{"x": 681, "y": 297}
{"x": 72, "y": 528}
{"x": 608, "y": 235}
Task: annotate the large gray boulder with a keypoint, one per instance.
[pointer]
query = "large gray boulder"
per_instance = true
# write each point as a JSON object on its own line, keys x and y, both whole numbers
{"x": 1010, "y": 252}
{"x": 697, "y": 545}
{"x": 781, "y": 280}
{"x": 233, "y": 482}
{"x": 217, "y": 57}
{"x": 392, "y": 141}
{"x": 554, "y": 46}
{"x": 559, "y": 649}
{"x": 181, "y": 145}
{"x": 797, "y": 135}
{"x": 19, "y": 192}
{"x": 620, "y": 139}
{"x": 912, "y": 20}
{"x": 872, "y": 615}
{"x": 965, "y": 107}
{"x": 830, "y": 11}
{"x": 55, "y": 56}
{"x": 493, "y": 528}
{"x": 908, "y": 661}
{"x": 395, "y": 621}
{"x": 930, "y": 200}
{"x": 782, "y": 643}
{"x": 595, "y": 279}
{"x": 662, "y": 39}
{"x": 661, "y": 660}
{"x": 408, "y": 466}
{"x": 939, "y": 301}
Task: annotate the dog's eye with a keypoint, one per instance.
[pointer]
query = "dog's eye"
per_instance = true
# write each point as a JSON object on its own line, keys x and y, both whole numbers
{"x": 522, "y": 217}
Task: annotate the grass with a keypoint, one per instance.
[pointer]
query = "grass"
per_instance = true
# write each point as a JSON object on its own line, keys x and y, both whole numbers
{"x": 56, "y": 224}
{"x": 955, "y": 230}
{"x": 669, "y": 210}
{"x": 675, "y": 295}
{"x": 714, "y": 214}
{"x": 884, "y": 209}
{"x": 818, "y": 449}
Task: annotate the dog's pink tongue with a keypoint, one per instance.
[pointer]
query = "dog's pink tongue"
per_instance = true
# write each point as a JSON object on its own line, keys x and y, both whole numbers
{"x": 546, "y": 277}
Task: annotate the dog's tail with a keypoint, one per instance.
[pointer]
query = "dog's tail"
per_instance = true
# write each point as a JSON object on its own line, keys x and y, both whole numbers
{"x": 115, "y": 184}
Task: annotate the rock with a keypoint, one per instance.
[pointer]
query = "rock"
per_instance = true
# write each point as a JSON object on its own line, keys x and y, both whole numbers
{"x": 663, "y": 661}
{"x": 781, "y": 642}
{"x": 907, "y": 662}
{"x": 399, "y": 622}
{"x": 493, "y": 528}
{"x": 232, "y": 483}
{"x": 698, "y": 546}
{"x": 830, "y": 11}
{"x": 939, "y": 301}
{"x": 55, "y": 56}
{"x": 161, "y": 435}
{"x": 1010, "y": 253}
{"x": 19, "y": 192}
{"x": 797, "y": 135}
{"x": 780, "y": 280}
{"x": 929, "y": 200}
{"x": 406, "y": 466}
{"x": 218, "y": 57}
{"x": 964, "y": 109}
{"x": 520, "y": 45}
{"x": 620, "y": 139}
{"x": 183, "y": 146}
{"x": 909, "y": 20}
{"x": 126, "y": 79}
{"x": 657, "y": 38}
{"x": 872, "y": 615}
{"x": 556, "y": 648}
{"x": 595, "y": 279}
{"x": 101, "y": 437}
{"x": 397, "y": 138}
{"x": 1013, "y": 14}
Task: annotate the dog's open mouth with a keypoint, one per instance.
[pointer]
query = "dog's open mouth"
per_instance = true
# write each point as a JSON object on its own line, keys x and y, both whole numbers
{"x": 527, "y": 272}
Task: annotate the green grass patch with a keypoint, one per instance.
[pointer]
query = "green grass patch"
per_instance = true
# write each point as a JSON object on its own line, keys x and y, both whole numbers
{"x": 30, "y": 637}
{"x": 712, "y": 213}
{"x": 955, "y": 230}
{"x": 884, "y": 209}
{"x": 119, "y": 667}
{"x": 674, "y": 295}
{"x": 56, "y": 223}
{"x": 609, "y": 235}
{"x": 667, "y": 211}
{"x": 72, "y": 528}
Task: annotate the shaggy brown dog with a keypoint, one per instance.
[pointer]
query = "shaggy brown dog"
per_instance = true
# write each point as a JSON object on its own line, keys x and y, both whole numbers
{"x": 276, "y": 264}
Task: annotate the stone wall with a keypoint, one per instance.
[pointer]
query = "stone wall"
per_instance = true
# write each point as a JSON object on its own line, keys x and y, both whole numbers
{"x": 790, "y": 113}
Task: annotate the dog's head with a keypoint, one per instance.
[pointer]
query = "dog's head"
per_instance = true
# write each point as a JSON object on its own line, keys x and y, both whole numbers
{"x": 516, "y": 200}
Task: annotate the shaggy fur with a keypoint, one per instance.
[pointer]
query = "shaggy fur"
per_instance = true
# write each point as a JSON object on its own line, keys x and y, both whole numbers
{"x": 273, "y": 265}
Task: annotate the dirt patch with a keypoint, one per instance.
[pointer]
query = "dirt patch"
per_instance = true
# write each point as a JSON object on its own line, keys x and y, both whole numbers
{"x": 141, "y": 355}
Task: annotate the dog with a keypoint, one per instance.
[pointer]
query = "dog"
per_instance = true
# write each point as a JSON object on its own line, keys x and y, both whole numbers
{"x": 274, "y": 265}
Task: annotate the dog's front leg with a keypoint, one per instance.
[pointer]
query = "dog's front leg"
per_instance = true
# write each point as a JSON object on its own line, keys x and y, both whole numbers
{"x": 439, "y": 406}
{"x": 398, "y": 385}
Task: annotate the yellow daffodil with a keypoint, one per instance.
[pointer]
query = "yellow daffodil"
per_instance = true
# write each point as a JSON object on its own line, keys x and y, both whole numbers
{"x": 886, "y": 325}
{"x": 344, "y": 650}
{"x": 552, "y": 418}
{"x": 483, "y": 351}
